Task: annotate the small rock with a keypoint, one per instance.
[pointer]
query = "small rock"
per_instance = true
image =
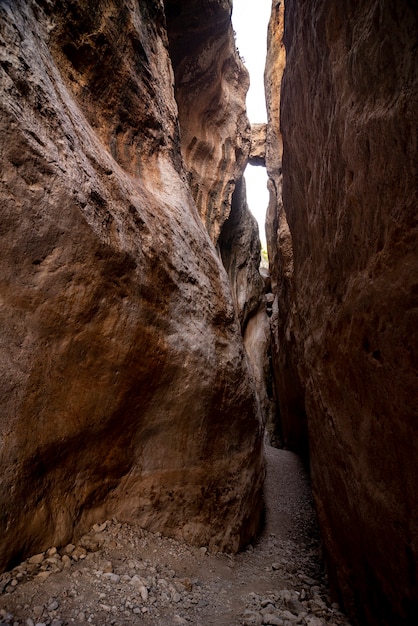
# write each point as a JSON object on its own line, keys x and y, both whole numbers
{"x": 186, "y": 583}
{"x": 251, "y": 618}
{"x": 36, "y": 559}
{"x": 114, "y": 578}
{"x": 295, "y": 606}
{"x": 68, "y": 549}
{"x": 275, "y": 566}
{"x": 57, "y": 622}
{"x": 29, "y": 622}
{"x": 287, "y": 615}
{"x": 53, "y": 606}
{"x": 272, "y": 620}
{"x": 176, "y": 597}
{"x": 79, "y": 553}
{"x": 38, "y": 610}
{"x": 93, "y": 544}
{"x": 99, "y": 528}
{"x": 311, "y": 620}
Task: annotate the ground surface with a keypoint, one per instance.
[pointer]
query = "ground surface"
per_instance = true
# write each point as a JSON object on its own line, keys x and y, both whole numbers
{"x": 119, "y": 574}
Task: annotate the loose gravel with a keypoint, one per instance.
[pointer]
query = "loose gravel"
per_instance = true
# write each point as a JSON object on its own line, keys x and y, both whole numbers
{"x": 119, "y": 574}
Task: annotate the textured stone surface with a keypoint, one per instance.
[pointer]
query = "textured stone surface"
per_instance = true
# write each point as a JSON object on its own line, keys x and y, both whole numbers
{"x": 239, "y": 246}
{"x": 292, "y": 423}
{"x": 349, "y": 121}
{"x": 124, "y": 385}
{"x": 258, "y": 144}
{"x": 211, "y": 85}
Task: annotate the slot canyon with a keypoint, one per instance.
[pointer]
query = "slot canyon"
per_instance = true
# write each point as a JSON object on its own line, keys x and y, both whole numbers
{"x": 151, "y": 374}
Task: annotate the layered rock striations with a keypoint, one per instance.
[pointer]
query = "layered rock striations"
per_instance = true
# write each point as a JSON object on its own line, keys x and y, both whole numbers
{"x": 210, "y": 87}
{"x": 349, "y": 103}
{"x": 124, "y": 383}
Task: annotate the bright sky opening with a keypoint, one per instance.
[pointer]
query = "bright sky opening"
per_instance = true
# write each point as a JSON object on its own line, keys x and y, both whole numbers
{"x": 250, "y": 21}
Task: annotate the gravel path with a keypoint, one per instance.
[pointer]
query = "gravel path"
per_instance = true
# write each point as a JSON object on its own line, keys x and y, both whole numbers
{"x": 119, "y": 574}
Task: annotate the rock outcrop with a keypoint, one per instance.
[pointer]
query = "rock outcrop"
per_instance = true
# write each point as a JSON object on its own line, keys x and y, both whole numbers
{"x": 124, "y": 382}
{"x": 211, "y": 83}
{"x": 347, "y": 303}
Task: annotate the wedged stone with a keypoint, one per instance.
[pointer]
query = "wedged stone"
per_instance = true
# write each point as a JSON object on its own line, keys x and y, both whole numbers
{"x": 258, "y": 144}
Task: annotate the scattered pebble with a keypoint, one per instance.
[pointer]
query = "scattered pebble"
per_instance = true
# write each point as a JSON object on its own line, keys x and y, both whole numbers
{"x": 121, "y": 574}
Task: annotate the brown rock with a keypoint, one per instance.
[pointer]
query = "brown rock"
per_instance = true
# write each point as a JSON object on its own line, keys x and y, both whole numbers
{"x": 258, "y": 144}
{"x": 124, "y": 383}
{"x": 239, "y": 245}
{"x": 211, "y": 83}
{"x": 349, "y": 105}
{"x": 292, "y": 427}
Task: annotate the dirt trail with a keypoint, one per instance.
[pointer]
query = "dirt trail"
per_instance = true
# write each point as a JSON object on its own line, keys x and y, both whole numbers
{"x": 119, "y": 574}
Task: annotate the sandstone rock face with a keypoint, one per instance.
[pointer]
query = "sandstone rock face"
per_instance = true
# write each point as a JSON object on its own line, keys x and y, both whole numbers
{"x": 292, "y": 422}
{"x": 349, "y": 106}
{"x": 239, "y": 246}
{"x": 210, "y": 87}
{"x": 258, "y": 144}
{"x": 124, "y": 383}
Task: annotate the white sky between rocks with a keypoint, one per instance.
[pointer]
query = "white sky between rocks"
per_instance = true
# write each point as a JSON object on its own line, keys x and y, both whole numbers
{"x": 250, "y": 20}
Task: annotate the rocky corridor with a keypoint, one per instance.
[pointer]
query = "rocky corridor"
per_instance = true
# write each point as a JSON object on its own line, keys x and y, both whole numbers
{"x": 120, "y": 574}
{"x": 144, "y": 354}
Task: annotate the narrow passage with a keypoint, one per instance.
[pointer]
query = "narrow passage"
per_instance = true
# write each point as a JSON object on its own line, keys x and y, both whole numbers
{"x": 119, "y": 574}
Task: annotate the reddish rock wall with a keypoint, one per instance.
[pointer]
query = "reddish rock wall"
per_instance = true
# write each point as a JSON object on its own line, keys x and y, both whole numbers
{"x": 211, "y": 83}
{"x": 349, "y": 113}
{"x": 124, "y": 385}
{"x": 291, "y": 421}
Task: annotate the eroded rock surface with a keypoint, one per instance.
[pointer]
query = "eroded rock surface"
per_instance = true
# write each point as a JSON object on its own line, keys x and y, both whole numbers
{"x": 124, "y": 385}
{"x": 239, "y": 246}
{"x": 349, "y": 107}
{"x": 211, "y": 83}
{"x": 292, "y": 422}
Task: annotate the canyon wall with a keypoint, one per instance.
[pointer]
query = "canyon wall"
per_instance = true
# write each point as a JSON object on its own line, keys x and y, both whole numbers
{"x": 291, "y": 421}
{"x": 124, "y": 386}
{"x": 346, "y": 236}
{"x": 210, "y": 87}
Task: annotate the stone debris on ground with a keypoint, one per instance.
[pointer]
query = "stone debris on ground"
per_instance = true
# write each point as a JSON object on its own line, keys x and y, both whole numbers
{"x": 119, "y": 574}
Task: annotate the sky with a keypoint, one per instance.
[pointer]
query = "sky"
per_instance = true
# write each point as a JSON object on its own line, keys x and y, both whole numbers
{"x": 250, "y": 20}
